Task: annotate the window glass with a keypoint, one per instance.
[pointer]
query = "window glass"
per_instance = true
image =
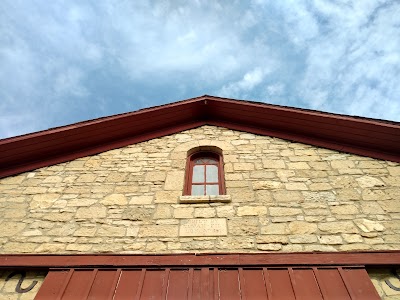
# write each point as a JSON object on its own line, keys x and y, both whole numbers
{"x": 198, "y": 190}
{"x": 211, "y": 173}
{"x": 198, "y": 174}
{"x": 212, "y": 189}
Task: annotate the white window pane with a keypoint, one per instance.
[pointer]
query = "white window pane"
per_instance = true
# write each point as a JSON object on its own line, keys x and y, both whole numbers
{"x": 212, "y": 173}
{"x": 198, "y": 174}
{"x": 197, "y": 190}
{"x": 212, "y": 189}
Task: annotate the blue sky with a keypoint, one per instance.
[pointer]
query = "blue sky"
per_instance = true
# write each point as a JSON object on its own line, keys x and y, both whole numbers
{"x": 67, "y": 61}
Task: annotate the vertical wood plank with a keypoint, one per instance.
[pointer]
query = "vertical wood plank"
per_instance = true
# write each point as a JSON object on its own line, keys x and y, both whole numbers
{"x": 358, "y": 284}
{"x": 305, "y": 285}
{"x": 55, "y": 281}
{"x": 331, "y": 284}
{"x": 252, "y": 284}
{"x": 229, "y": 284}
{"x": 178, "y": 284}
{"x": 281, "y": 286}
{"x": 128, "y": 284}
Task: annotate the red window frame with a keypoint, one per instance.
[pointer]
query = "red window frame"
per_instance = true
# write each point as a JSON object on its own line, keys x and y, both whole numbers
{"x": 190, "y": 163}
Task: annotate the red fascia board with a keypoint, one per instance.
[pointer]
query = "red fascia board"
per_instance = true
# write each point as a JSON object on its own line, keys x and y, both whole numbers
{"x": 99, "y": 148}
{"x": 374, "y": 258}
{"x": 329, "y": 144}
{"x": 317, "y": 130}
{"x": 269, "y": 115}
{"x": 97, "y": 134}
{"x": 124, "y": 123}
{"x": 379, "y": 140}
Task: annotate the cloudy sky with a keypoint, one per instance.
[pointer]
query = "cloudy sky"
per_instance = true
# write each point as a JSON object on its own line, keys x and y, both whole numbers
{"x": 72, "y": 60}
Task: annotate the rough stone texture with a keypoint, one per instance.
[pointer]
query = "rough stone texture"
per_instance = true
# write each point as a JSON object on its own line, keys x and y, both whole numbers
{"x": 283, "y": 196}
{"x": 380, "y": 278}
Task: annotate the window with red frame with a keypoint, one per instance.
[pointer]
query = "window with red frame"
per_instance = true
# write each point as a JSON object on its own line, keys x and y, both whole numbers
{"x": 205, "y": 175}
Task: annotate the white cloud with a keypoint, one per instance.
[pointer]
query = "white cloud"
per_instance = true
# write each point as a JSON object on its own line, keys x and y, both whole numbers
{"x": 63, "y": 62}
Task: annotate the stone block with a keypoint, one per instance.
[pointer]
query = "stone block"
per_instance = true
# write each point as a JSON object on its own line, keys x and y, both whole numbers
{"x": 251, "y": 210}
{"x": 338, "y": 227}
{"x": 275, "y": 229}
{"x": 300, "y": 227}
{"x": 266, "y": 185}
{"x": 115, "y": 199}
{"x": 92, "y": 212}
{"x": 273, "y": 164}
{"x": 174, "y": 181}
{"x": 284, "y": 211}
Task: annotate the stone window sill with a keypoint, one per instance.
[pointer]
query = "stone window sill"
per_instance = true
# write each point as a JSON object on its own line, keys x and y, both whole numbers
{"x": 205, "y": 199}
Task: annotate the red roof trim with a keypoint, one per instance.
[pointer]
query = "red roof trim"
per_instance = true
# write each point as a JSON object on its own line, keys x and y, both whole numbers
{"x": 367, "y": 137}
{"x": 372, "y": 258}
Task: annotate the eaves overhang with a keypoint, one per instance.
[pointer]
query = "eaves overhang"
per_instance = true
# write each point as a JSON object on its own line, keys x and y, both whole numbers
{"x": 362, "y": 136}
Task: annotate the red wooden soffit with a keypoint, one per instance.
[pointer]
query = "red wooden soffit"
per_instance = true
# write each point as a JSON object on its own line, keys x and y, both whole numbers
{"x": 374, "y": 258}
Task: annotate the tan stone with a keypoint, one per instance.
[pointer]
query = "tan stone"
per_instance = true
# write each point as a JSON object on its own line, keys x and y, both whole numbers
{"x": 155, "y": 176}
{"x": 318, "y": 196}
{"x": 167, "y": 196}
{"x": 158, "y": 231}
{"x": 85, "y": 231}
{"x": 58, "y": 217}
{"x": 183, "y": 212}
{"x": 50, "y": 248}
{"x": 43, "y": 200}
{"x": 300, "y": 227}
{"x": 107, "y": 230}
{"x": 273, "y": 164}
{"x": 269, "y": 247}
{"x": 225, "y": 211}
{"x": 162, "y": 212}
{"x": 251, "y": 210}
{"x": 140, "y": 200}
{"x": 394, "y": 171}
{"x": 275, "y": 229}
{"x": 79, "y": 247}
{"x": 116, "y": 177}
{"x": 338, "y": 227}
{"x": 368, "y": 182}
{"x": 284, "y": 211}
{"x": 367, "y": 225}
{"x": 81, "y": 202}
{"x": 243, "y": 226}
{"x": 174, "y": 181}
{"x": 86, "y": 178}
{"x": 11, "y": 228}
{"x": 296, "y": 186}
{"x": 344, "y": 209}
{"x": 330, "y": 239}
{"x": 132, "y": 231}
{"x": 303, "y": 239}
{"x": 298, "y": 166}
{"x": 92, "y": 212}
{"x": 342, "y": 164}
{"x": 266, "y": 185}
{"x": 115, "y": 199}
{"x": 204, "y": 212}
{"x": 352, "y": 238}
{"x": 135, "y": 213}
{"x": 243, "y": 166}
{"x": 320, "y": 186}
{"x": 372, "y": 208}
{"x": 391, "y": 206}
{"x": 266, "y": 239}
{"x": 241, "y": 194}
{"x": 288, "y": 196}
{"x": 21, "y": 247}
{"x": 319, "y": 248}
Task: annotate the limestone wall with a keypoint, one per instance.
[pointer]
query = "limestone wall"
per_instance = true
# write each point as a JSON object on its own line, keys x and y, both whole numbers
{"x": 285, "y": 197}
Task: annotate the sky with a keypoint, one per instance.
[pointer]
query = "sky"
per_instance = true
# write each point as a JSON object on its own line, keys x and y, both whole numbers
{"x": 66, "y": 61}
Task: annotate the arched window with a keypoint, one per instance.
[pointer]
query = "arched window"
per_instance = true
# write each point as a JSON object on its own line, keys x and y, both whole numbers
{"x": 205, "y": 175}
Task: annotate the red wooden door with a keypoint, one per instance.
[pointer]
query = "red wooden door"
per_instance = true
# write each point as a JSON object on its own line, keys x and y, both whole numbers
{"x": 231, "y": 283}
